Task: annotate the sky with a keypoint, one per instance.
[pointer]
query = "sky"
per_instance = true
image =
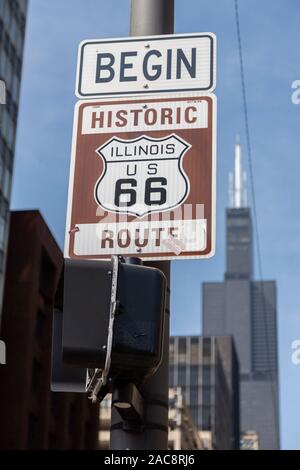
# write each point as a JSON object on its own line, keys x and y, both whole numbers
{"x": 269, "y": 31}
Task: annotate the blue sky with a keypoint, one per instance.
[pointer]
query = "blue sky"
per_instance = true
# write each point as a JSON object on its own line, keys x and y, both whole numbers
{"x": 272, "y": 62}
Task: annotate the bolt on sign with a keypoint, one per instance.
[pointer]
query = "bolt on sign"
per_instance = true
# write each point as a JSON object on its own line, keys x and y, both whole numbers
{"x": 142, "y": 178}
{"x": 146, "y": 65}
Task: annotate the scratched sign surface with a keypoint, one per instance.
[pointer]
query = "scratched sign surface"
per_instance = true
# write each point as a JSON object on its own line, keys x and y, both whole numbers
{"x": 142, "y": 178}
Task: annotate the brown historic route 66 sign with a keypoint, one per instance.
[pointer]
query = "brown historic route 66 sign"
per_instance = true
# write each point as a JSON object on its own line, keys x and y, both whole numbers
{"x": 142, "y": 178}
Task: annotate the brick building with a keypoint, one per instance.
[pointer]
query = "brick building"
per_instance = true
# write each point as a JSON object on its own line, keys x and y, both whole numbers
{"x": 31, "y": 416}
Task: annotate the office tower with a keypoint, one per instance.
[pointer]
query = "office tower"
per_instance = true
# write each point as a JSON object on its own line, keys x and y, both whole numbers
{"x": 246, "y": 309}
{"x": 32, "y": 417}
{"x": 183, "y": 433}
{"x": 206, "y": 369}
{"x": 12, "y": 32}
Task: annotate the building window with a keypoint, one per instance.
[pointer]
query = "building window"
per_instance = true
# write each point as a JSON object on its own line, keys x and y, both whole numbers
{"x": 206, "y": 347}
{"x": 181, "y": 375}
{"x": 206, "y": 371}
{"x": 194, "y": 351}
{"x": 206, "y": 418}
{"x": 182, "y": 345}
{"x": 6, "y": 183}
{"x": 15, "y": 88}
{"x": 6, "y": 17}
{"x": 4, "y": 209}
{"x": 194, "y": 396}
{"x": 13, "y": 30}
{"x": 206, "y": 395}
{"x": 194, "y": 375}
{"x": 4, "y": 126}
{"x": 182, "y": 359}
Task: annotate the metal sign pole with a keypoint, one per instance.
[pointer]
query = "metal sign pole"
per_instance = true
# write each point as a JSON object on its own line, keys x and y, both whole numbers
{"x": 150, "y": 17}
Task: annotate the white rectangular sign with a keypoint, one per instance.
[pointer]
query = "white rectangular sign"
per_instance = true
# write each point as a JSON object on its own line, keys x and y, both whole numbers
{"x": 145, "y": 65}
{"x": 155, "y": 117}
{"x": 177, "y": 236}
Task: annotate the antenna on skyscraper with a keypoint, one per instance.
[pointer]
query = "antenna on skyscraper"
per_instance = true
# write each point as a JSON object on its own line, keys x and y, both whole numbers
{"x": 230, "y": 189}
{"x": 245, "y": 198}
{"x": 237, "y": 182}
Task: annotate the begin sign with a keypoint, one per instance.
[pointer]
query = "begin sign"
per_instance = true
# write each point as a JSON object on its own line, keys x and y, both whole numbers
{"x": 146, "y": 65}
{"x": 142, "y": 179}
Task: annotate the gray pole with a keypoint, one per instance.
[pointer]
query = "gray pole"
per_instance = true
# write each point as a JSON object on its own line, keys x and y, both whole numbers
{"x": 150, "y": 17}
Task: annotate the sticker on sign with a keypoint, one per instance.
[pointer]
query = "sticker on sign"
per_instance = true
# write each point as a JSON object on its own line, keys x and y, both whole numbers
{"x": 143, "y": 65}
{"x": 142, "y": 178}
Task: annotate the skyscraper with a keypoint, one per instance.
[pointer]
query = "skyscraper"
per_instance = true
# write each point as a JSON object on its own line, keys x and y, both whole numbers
{"x": 246, "y": 309}
{"x": 32, "y": 416}
{"x": 12, "y": 32}
{"x": 206, "y": 369}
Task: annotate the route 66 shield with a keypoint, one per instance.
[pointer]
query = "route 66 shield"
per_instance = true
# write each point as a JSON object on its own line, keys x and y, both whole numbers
{"x": 142, "y": 175}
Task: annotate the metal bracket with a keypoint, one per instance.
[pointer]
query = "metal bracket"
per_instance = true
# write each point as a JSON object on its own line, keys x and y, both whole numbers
{"x": 130, "y": 404}
{"x": 100, "y": 376}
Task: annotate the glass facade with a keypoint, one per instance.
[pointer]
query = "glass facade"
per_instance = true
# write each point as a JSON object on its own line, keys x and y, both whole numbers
{"x": 239, "y": 244}
{"x": 202, "y": 367}
{"x": 12, "y": 33}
